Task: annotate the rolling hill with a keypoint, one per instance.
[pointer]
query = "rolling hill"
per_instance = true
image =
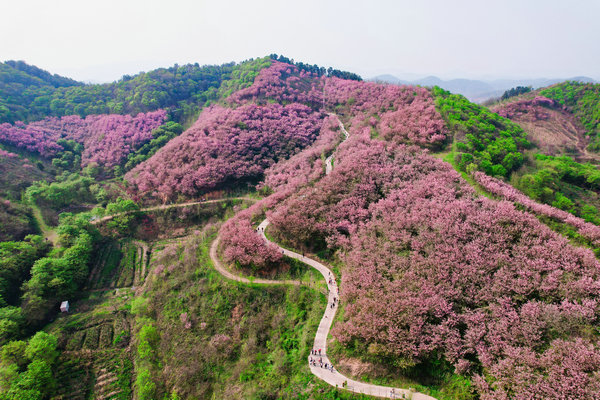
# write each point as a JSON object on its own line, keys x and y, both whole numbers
{"x": 464, "y": 239}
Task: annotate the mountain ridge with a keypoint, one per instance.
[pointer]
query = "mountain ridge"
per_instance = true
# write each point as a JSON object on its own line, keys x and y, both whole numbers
{"x": 475, "y": 89}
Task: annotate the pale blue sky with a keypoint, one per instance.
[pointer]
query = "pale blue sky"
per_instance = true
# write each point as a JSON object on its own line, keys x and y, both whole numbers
{"x": 102, "y": 40}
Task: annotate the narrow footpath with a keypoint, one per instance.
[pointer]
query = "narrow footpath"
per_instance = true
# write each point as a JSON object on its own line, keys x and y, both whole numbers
{"x": 328, "y": 160}
{"x": 168, "y": 206}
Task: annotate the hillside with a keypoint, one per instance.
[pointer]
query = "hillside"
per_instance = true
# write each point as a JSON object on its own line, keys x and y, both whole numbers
{"x": 184, "y": 89}
{"x": 562, "y": 168}
{"x": 21, "y": 85}
{"x": 274, "y": 229}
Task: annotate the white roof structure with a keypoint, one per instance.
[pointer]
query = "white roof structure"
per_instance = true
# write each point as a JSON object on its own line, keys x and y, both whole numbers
{"x": 64, "y": 306}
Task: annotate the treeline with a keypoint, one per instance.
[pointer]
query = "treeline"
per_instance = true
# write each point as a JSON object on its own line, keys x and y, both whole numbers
{"x": 315, "y": 69}
{"x": 34, "y": 76}
{"x": 515, "y": 92}
{"x": 21, "y": 84}
{"x": 182, "y": 89}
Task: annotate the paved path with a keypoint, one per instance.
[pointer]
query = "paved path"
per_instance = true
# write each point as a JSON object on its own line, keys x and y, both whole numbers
{"x": 328, "y": 160}
{"x": 331, "y": 376}
{"x": 226, "y": 273}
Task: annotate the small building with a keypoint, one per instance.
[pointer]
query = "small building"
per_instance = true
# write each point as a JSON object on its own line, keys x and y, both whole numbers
{"x": 64, "y": 306}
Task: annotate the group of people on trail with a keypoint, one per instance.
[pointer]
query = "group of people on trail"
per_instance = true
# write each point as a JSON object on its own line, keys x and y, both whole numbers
{"x": 335, "y": 299}
{"x": 331, "y": 279}
{"x": 314, "y": 361}
{"x": 333, "y": 304}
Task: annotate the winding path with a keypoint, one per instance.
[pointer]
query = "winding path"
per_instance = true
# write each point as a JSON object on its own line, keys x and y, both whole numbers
{"x": 226, "y": 273}
{"x": 328, "y": 160}
{"x": 332, "y": 377}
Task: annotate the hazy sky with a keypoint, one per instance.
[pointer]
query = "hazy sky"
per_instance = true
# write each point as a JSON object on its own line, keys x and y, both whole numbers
{"x": 102, "y": 40}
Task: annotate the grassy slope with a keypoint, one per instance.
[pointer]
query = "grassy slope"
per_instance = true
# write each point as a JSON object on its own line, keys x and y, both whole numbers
{"x": 244, "y": 342}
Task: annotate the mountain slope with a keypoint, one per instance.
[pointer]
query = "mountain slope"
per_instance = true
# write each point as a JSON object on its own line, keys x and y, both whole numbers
{"x": 22, "y": 84}
{"x": 562, "y": 168}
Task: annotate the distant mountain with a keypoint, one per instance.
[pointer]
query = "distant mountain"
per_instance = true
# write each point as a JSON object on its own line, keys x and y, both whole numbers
{"x": 389, "y": 79}
{"x": 478, "y": 90}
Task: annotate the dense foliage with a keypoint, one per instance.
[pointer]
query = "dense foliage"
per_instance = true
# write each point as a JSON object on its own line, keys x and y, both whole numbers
{"x": 27, "y": 368}
{"x": 284, "y": 84}
{"x": 309, "y": 164}
{"x": 74, "y": 189}
{"x": 224, "y": 147}
{"x": 16, "y": 260}
{"x": 243, "y": 246}
{"x": 565, "y": 184}
{"x": 15, "y": 221}
{"x": 515, "y": 92}
{"x": 584, "y": 100}
{"x": 21, "y": 86}
{"x": 183, "y": 89}
{"x": 61, "y": 274}
{"x": 431, "y": 271}
{"x": 160, "y": 137}
{"x": 402, "y": 114}
{"x": 17, "y": 173}
{"x": 31, "y": 285}
{"x": 508, "y": 192}
{"x": 106, "y": 139}
{"x": 484, "y": 140}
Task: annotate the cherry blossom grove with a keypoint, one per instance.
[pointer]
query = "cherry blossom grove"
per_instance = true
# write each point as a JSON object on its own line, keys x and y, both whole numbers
{"x": 226, "y": 146}
{"x": 107, "y": 138}
{"x": 433, "y": 270}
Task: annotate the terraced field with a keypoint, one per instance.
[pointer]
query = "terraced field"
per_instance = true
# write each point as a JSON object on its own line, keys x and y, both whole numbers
{"x": 95, "y": 360}
{"x": 119, "y": 265}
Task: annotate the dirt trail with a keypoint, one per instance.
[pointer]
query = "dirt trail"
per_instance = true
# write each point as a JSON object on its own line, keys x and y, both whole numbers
{"x": 168, "y": 206}
{"x": 47, "y": 232}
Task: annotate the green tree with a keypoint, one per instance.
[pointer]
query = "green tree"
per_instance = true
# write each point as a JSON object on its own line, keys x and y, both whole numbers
{"x": 42, "y": 346}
